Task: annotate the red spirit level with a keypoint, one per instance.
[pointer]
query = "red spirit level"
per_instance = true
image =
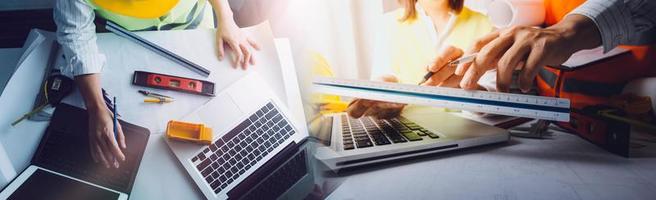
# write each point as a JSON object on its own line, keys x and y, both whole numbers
{"x": 176, "y": 83}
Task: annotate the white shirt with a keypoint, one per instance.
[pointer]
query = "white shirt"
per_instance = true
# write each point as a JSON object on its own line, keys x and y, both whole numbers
{"x": 76, "y": 33}
{"x": 631, "y": 22}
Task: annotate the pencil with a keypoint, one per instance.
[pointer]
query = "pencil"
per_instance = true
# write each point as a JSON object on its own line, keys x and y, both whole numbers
{"x": 464, "y": 59}
{"x": 115, "y": 125}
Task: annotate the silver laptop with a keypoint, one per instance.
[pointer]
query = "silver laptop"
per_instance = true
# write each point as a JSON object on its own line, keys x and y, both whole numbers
{"x": 418, "y": 131}
{"x": 255, "y": 137}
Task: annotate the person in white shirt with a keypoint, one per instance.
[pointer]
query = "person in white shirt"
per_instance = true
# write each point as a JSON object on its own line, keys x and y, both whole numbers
{"x": 76, "y": 32}
{"x": 594, "y": 23}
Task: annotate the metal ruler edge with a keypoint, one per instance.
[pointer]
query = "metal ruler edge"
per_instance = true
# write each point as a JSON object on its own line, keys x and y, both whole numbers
{"x": 539, "y": 107}
{"x": 114, "y": 28}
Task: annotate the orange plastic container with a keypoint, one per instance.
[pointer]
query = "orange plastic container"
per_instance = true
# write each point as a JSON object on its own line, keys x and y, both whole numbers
{"x": 185, "y": 131}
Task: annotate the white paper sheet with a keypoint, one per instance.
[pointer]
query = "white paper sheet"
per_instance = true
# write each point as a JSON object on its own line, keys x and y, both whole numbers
{"x": 7, "y": 171}
{"x": 17, "y": 99}
{"x": 588, "y": 56}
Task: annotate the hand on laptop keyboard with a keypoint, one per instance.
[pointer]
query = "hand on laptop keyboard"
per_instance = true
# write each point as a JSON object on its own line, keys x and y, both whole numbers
{"x": 377, "y": 109}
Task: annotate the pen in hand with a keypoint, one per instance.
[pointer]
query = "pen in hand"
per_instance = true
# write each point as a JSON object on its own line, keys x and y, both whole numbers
{"x": 115, "y": 125}
{"x": 461, "y": 60}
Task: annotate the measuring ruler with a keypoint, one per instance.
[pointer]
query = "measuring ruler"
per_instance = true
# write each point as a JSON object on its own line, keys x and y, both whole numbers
{"x": 118, "y": 30}
{"x": 519, "y": 105}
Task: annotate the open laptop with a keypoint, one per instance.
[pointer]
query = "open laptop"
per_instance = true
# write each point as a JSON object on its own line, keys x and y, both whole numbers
{"x": 256, "y": 151}
{"x": 62, "y": 167}
{"x": 418, "y": 131}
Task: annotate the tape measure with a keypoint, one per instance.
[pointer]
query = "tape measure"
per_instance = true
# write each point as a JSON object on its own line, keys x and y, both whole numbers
{"x": 519, "y": 105}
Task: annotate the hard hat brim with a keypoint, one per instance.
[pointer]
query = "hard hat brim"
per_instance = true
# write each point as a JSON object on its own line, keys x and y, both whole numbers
{"x": 138, "y": 8}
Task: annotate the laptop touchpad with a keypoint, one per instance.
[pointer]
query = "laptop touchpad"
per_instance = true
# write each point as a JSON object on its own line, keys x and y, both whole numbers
{"x": 220, "y": 113}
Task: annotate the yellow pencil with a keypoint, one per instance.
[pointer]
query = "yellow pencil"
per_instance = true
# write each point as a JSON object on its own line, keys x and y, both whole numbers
{"x": 158, "y": 100}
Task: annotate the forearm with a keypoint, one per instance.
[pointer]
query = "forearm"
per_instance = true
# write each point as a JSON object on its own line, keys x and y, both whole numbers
{"x": 76, "y": 33}
{"x": 221, "y": 9}
{"x": 578, "y": 32}
{"x": 89, "y": 85}
{"x": 615, "y": 20}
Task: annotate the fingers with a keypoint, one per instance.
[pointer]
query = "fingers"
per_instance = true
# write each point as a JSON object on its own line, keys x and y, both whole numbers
{"x": 478, "y": 45}
{"x": 452, "y": 81}
{"x": 112, "y": 144}
{"x": 441, "y": 76}
{"x": 470, "y": 79}
{"x": 389, "y": 79}
{"x": 512, "y": 60}
{"x": 516, "y": 53}
{"x": 531, "y": 69}
{"x": 221, "y": 48}
{"x": 92, "y": 150}
{"x": 105, "y": 151}
{"x": 99, "y": 153}
{"x": 121, "y": 136}
{"x": 376, "y": 109}
{"x": 385, "y": 110}
{"x": 447, "y": 55}
{"x": 253, "y": 43}
{"x": 505, "y": 76}
{"x": 486, "y": 59}
{"x": 247, "y": 56}
{"x": 358, "y": 107}
{"x": 237, "y": 56}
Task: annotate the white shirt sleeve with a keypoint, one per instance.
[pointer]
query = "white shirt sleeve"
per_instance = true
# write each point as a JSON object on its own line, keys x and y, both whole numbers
{"x": 76, "y": 33}
{"x": 630, "y": 22}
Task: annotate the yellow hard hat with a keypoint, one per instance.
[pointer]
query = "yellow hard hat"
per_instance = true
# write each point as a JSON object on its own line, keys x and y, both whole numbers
{"x": 138, "y": 8}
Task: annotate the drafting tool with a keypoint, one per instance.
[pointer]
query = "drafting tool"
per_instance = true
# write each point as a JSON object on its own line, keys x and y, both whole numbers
{"x": 118, "y": 30}
{"x": 184, "y": 131}
{"x": 115, "y": 124}
{"x": 154, "y": 95}
{"x": 458, "y": 61}
{"x": 537, "y": 130}
{"x": 537, "y": 107}
{"x": 158, "y": 100}
{"x": 55, "y": 88}
{"x": 175, "y": 83}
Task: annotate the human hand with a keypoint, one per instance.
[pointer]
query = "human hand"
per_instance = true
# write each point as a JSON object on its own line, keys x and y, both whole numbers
{"x": 102, "y": 143}
{"x": 527, "y": 49}
{"x": 377, "y": 109}
{"x": 444, "y": 75}
{"x": 234, "y": 37}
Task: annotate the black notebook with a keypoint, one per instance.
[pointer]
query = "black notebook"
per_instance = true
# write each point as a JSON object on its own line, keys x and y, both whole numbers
{"x": 64, "y": 148}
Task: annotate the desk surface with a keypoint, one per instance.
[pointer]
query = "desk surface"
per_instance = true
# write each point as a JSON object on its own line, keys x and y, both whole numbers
{"x": 565, "y": 167}
{"x": 160, "y": 175}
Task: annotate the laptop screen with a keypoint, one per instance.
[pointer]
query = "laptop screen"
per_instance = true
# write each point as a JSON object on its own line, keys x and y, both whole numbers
{"x": 42, "y": 184}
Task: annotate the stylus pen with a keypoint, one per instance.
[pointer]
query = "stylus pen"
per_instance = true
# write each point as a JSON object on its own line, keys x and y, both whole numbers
{"x": 458, "y": 61}
{"x": 115, "y": 125}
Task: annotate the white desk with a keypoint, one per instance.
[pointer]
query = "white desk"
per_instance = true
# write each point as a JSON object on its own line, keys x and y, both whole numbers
{"x": 565, "y": 167}
{"x": 160, "y": 175}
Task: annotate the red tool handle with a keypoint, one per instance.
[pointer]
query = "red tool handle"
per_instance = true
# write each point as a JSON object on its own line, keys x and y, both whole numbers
{"x": 174, "y": 83}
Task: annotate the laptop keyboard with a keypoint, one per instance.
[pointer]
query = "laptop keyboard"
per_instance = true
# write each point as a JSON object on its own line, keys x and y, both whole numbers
{"x": 280, "y": 180}
{"x": 237, "y": 151}
{"x": 368, "y": 132}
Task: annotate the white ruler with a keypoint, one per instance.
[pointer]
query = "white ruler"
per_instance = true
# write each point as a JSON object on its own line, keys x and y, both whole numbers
{"x": 538, "y": 107}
